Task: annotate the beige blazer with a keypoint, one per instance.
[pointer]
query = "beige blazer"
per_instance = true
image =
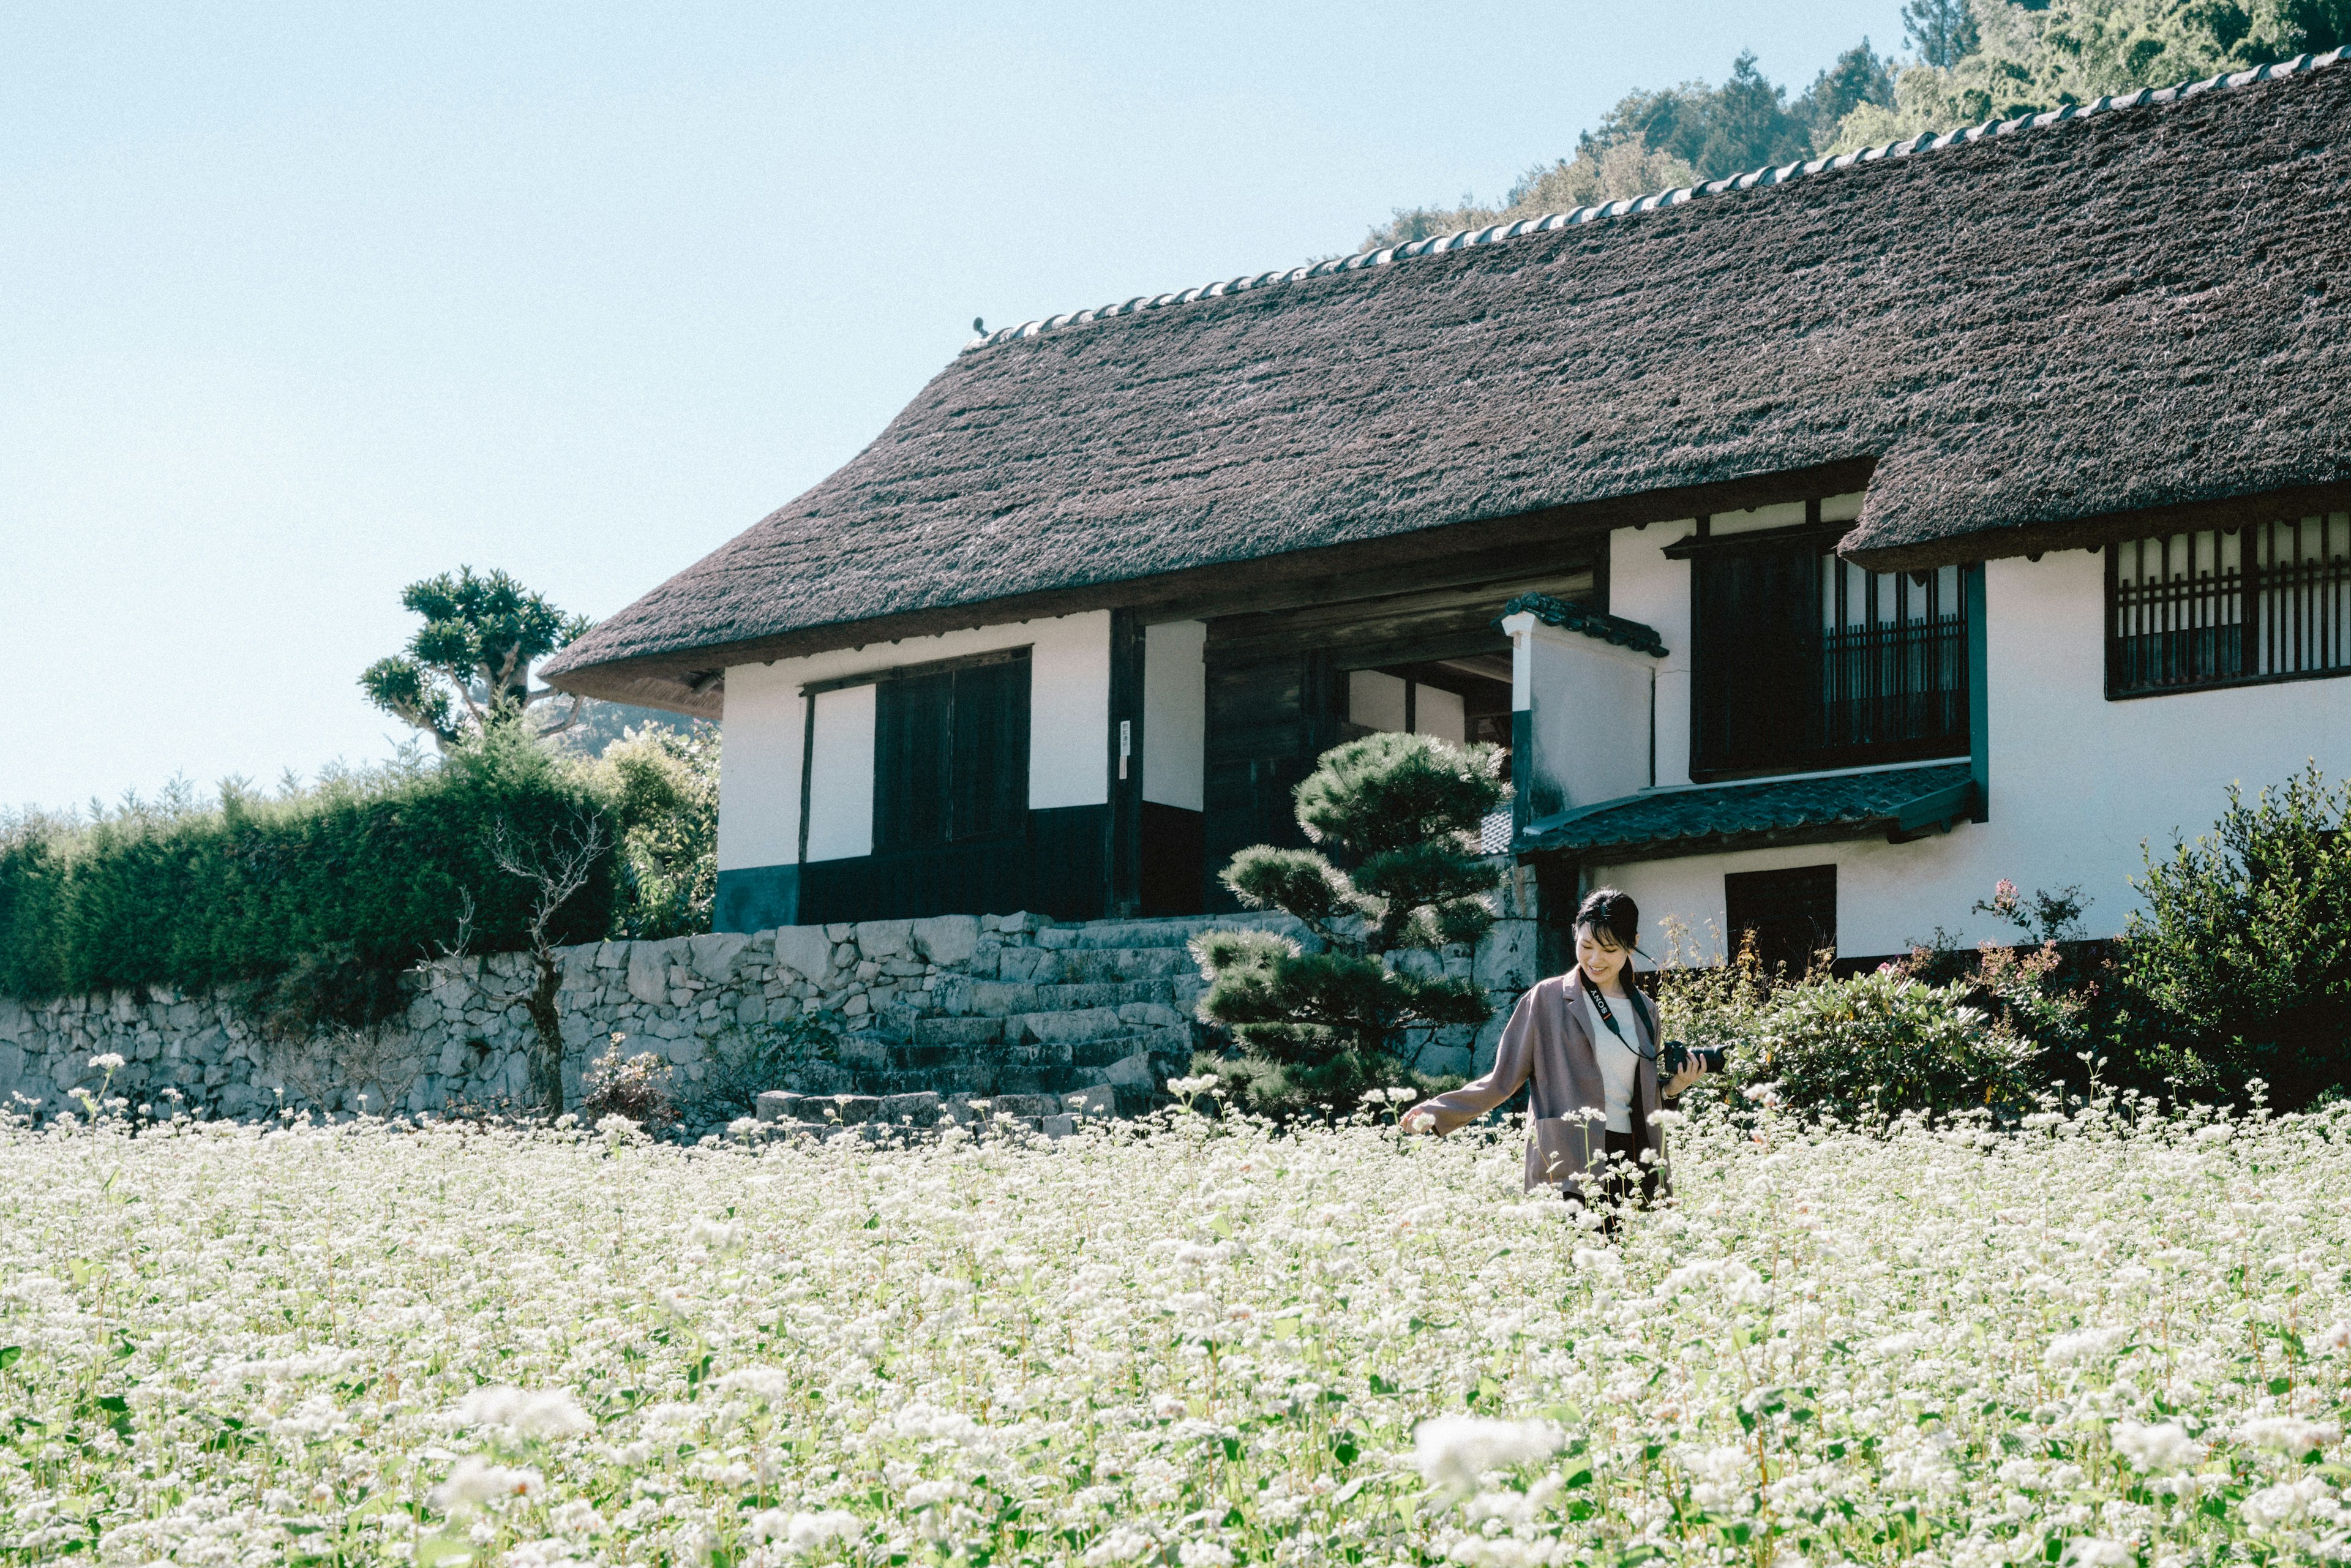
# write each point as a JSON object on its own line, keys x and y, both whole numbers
{"x": 1548, "y": 1041}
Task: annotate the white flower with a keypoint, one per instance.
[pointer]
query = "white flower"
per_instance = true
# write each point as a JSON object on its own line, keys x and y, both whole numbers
{"x": 109, "y": 1062}
{"x": 2085, "y": 1345}
{"x": 1121, "y": 1545}
{"x": 2091, "y": 1552}
{"x": 923, "y": 1494}
{"x": 769, "y": 1382}
{"x": 2167, "y": 1447}
{"x": 2217, "y": 1133}
{"x": 2286, "y": 1434}
{"x": 1188, "y": 1087}
{"x": 806, "y": 1532}
{"x": 1203, "y": 1555}
{"x": 549, "y": 1414}
{"x": 1453, "y": 1451}
{"x": 475, "y": 1480}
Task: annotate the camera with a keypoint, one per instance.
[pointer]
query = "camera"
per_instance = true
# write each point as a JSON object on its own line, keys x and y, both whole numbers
{"x": 1674, "y": 1056}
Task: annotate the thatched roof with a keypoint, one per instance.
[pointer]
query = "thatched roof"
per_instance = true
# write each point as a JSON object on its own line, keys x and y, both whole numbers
{"x": 2016, "y": 334}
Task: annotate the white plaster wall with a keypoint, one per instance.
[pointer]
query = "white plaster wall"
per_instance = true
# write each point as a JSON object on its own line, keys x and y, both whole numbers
{"x": 841, "y": 775}
{"x": 2077, "y": 782}
{"x": 759, "y": 786}
{"x": 1591, "y": 726}
{"x": 1175, "y": 714}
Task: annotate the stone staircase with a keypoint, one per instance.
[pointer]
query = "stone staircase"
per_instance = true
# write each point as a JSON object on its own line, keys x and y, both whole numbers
{"x": 1054, "y": 1012}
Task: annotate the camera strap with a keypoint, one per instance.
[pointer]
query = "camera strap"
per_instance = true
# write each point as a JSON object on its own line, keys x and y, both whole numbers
{"x": 1608, "y": 1015}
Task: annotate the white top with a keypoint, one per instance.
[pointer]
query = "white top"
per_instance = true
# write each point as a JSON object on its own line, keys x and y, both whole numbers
{"x": 1619, "y": 1064}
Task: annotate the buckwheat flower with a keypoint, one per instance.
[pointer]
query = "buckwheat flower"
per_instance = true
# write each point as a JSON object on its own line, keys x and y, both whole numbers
{"x": 1121, "y": 1545}
{"x": 546, "y": 1415}
{"x": 1203, "y": 1555}
{"x": 475, "y": 1481}
{"x": 924, "y": 1494}
{"x": 771, "y": 1384}
{"x": 2093, "y": 1551}
{"x": 2157, "y": 1448}
{"x": 2084, "y": 1345}
{"x": 1453, "y": 1451}
{"x": 806, "y": 1532}
{"x": 109, "y": 1062}
{"x": 2336, "y": 1337}
{"x": 2286, "y": 1434}
{"x": 2272, "y": 1506}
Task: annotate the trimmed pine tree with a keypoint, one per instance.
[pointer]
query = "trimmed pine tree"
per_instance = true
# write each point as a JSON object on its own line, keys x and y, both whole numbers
{"x": 1397, "y": 871}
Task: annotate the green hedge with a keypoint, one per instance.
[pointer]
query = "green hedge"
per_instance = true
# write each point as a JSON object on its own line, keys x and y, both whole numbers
{"x": 316, "y": 902}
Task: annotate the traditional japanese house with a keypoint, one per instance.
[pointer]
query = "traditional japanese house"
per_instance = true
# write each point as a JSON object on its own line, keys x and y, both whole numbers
{"x": 1825, "y": 544}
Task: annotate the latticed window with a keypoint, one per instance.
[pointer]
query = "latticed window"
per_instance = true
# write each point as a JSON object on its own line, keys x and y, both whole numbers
{"x": 1806, "y": 661}
{"x": 2271, "y": 601}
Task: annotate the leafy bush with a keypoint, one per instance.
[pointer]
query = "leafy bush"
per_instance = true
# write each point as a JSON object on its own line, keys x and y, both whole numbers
{"x": 664, "y": 783}
{"x": 1316, "y": 1031}
{"x": 1867, "y": 1046}
{"x": 2240, "y": 964}
{"x": 311, "y": 900}
{"x": 636, "y": 1087}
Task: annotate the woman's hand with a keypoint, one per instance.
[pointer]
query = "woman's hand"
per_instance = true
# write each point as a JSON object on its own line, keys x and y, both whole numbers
{"x": 1418, "y": 1121}
{"x": 1690, "y": 1073}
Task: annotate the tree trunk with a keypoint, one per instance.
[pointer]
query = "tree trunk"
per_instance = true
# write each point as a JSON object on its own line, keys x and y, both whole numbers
{"x": 546, "y": 1061}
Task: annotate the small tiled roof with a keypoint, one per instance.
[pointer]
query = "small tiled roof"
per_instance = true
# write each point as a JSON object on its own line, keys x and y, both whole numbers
{"x": 1572, "y": 616}
{"x": 1659, "y": 824}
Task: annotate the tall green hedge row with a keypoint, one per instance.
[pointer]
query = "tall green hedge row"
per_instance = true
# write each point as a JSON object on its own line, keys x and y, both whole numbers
{"x": 361, "y": 878}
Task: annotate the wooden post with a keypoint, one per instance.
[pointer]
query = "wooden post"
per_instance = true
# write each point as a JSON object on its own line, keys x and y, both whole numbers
{"x": 1123, "y": 859}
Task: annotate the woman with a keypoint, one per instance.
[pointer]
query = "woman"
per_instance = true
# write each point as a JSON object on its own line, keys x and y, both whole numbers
{"x": 1589, "y": 1041}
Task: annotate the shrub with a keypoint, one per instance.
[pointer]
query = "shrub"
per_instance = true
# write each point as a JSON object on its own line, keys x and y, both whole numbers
{"x": 2238, "y": 966}
{"x": 309, "y": 900}
{"x": 1399, "y": 814}
{"x": 663, "y": 784}
{"x": 1878, "y": 1044}
{"x": 636, "y": 1087}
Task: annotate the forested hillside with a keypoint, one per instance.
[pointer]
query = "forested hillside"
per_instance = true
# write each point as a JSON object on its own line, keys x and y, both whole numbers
{"x": 1966, "y": 61}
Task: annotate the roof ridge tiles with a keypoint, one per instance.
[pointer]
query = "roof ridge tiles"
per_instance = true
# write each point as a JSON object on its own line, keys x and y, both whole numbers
{"x": 1493, "y": 234}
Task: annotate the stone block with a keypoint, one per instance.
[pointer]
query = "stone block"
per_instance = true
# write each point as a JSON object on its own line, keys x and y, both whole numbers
{"x": 805, "y": 950}
{"x": 12, "y": 1066}
{"x": 1081, "y": 1023}
{"x": 1029, "y": 965}
{"x": 852, "y": 1109}
{"x": 1060, "y": 1126}
{"x": 611, "y": 954}
{"x": 1018, "y": 924}
{"x": 778, "y": 1106}
{"x": 1131, "y": 1072}
{"x": 1028, "y": 1105}
{"x": 751, "y": 1010}
{"x": 958, "y": 1032}
{"x": 856, "y": 1006}
{"x": 839, "y": 931}
{"x": 649, "y": 973}
{"x": 1155, "y": 1015}
{"x": 921, "y": 1110}
{"x": 712, "y": 953}
{"x": 1488, "y": 1040}
{"x": 885, "y": 938}
{"x": 947, "y": 938}
{"x": 1094, "y": 1100}
{"x": 1506, "y": 958}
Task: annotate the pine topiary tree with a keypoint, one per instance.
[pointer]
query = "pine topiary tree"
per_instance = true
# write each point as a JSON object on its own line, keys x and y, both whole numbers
{"x": 1399, "y": 815}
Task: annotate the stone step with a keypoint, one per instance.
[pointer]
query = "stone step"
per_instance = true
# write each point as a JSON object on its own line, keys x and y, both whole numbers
{"x": 1173, "y": 931}
{"x": 1000, "y": 998}
{"x": 952, "y": 1031}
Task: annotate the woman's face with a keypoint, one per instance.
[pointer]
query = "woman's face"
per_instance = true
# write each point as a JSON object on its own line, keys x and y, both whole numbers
{"x": 1598, "y": 953}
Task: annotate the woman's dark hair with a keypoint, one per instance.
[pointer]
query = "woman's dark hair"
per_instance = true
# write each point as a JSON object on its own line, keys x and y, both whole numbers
{"x": 1611, "y": 911}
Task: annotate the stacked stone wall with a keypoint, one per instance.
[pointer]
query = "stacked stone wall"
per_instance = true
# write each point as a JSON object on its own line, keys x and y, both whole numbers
{"x": 993, "y": 1004}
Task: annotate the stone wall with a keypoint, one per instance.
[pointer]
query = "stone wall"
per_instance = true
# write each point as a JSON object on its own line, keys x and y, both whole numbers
{"x": 986, "y": 1005}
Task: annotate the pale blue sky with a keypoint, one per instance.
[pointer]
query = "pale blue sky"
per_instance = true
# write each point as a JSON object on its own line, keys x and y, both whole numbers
{"x": 303, "y": 303}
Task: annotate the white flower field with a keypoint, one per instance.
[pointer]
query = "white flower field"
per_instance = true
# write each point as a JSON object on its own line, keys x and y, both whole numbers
{"x": 2101, "y": 1339}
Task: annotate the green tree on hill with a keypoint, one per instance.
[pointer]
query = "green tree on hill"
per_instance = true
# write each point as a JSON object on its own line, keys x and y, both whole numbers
{"x": 469, "y": 664}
